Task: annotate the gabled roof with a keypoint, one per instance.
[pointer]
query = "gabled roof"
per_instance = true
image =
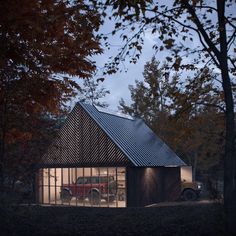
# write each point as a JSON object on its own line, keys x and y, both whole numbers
{"x": 134, "y": 138}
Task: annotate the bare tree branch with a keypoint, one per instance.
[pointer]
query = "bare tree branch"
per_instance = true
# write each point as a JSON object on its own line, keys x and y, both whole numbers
{"x": 231, "y": 40}
{"x": 211, "y": 105}
{"x": 201, "y": 28}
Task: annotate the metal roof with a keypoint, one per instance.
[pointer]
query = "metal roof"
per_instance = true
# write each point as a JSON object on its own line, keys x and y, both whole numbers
{"x": 136, "y": 140}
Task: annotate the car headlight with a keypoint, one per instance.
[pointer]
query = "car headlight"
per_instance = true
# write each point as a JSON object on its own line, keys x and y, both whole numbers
{"x": 199, "y": 186}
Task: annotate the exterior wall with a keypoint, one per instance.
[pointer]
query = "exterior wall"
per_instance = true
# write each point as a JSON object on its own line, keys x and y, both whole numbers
{"x": 144, "y": 186}
{"x": 171, "y": 183}
{"x": 147, "y": 186}
{"x": 81, "y": 142}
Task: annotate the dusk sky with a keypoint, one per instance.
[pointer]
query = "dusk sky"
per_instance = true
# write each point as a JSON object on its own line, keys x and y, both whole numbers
{"x": 118, "y": 83}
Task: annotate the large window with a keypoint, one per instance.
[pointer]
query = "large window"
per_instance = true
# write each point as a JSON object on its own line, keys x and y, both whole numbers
{"x": 99, "y": 187}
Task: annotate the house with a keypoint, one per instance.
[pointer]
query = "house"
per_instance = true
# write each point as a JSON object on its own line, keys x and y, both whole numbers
{"x": 97, "y": 147}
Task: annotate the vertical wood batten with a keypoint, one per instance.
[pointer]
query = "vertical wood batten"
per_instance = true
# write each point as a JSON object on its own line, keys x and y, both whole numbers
{"x": 81, "y": 142}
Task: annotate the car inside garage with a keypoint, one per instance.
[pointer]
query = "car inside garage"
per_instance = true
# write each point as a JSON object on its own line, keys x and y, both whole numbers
{"x": 100, "y": 186}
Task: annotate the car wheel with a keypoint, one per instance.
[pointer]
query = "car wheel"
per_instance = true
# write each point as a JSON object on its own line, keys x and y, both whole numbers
{"x": 65, "y": 195}
{"x": 189, "y": 195}
{"x": 111, "y": 199}
{"x": 94, "y": 198}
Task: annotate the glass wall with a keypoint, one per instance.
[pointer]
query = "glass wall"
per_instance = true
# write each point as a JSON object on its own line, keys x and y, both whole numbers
{"x": 98, "y": 187}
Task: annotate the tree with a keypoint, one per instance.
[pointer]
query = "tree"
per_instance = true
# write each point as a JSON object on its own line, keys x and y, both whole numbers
{"x": 150, "y": 97}
{"x": 43, "y": 44}
{"x": 178, "y": 23}
{"x": 176, "y": 113}
{"x": 92, "y": 92}
{"x": 26, "y": 145}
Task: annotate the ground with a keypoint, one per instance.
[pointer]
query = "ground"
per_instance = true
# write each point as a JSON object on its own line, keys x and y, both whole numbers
{"x": 200, "y": 218}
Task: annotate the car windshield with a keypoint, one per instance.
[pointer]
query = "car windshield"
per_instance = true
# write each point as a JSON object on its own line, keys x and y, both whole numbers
{"x": 94, "y": 179}
{"x": 83, "y": 180}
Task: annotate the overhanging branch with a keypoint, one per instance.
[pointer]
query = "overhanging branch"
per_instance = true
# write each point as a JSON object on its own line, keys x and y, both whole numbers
{"x": 200, "y": 27}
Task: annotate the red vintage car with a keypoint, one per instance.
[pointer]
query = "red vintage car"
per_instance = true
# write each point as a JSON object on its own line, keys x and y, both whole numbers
{"x": 94, "y": 188}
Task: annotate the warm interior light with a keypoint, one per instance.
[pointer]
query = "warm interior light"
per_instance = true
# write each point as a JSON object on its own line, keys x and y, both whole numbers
{"x": 55, "y": 179}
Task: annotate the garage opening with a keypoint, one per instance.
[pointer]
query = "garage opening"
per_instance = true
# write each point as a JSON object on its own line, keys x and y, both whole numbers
{"x": 90, "y": 186}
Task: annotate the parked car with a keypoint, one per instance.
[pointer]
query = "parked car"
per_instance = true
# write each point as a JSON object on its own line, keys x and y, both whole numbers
{"x": 190, "y": 191}
{"x": 94, "y": 188}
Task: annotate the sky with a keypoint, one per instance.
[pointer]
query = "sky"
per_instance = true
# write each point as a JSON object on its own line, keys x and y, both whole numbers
{"x": 118, "y": 83}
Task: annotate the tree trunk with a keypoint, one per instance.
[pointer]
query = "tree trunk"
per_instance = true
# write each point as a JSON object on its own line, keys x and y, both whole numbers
{"x": 229, "y": 163}
{"x": 2, "y": 141}
{"x": 4, "y": 106}
{"x": 195, "y": 166}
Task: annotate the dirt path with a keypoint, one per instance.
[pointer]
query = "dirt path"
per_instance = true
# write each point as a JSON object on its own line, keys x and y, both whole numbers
{"x": 183, "y": 203}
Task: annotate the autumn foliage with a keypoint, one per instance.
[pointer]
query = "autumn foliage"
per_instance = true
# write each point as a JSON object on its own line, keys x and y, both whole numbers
{"x": 44, "y": 45}
{"x": 187, "y": 114}
{"x": 195, "y": 34}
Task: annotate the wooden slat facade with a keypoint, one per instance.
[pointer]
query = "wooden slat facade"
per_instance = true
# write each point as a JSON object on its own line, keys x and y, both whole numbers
{"x": 81, "y": 142}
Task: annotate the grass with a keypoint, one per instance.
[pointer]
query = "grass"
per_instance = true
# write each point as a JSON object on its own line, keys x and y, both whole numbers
{"x": 200, "y": 219}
